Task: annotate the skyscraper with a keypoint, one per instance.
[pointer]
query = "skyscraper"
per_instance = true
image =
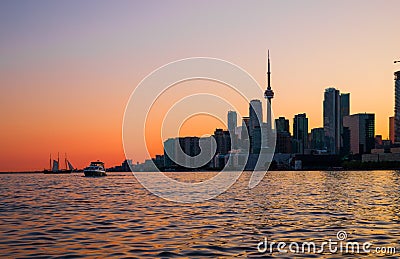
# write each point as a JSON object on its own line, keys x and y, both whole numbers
{"x": 223, "y": 141}
{"x": 245, "y": 133}
{"x": 345, "y": 135}
{"x": 283, "y": 138}
{"x": 255, "y": 114}
{"x": 269, "y": 94}
{"x": 232, "y": 124}
{"x": 391, "y": 129}
{"x": 317, "y": 138}
{"x": 397, "y": 106}
{"x": 344, "y": 104}
{"x": 332, "y": 120}
{"x": 232, "y": 121}
{"x": 362, "y": 132}
{"x": 282, "y": 125}
{"x": 300, "y": 132}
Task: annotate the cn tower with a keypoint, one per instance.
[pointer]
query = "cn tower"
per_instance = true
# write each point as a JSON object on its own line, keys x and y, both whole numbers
{"x": 269, "y": 94}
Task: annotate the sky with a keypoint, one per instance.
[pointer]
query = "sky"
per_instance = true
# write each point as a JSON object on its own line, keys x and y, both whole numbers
{"x": 67, "y": 68}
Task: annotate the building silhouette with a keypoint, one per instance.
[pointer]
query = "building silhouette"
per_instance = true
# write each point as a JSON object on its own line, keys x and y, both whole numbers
{"x": 391, "y": 129}
{"x": 344, "y": 104}
{"x": 334, "y": 110}
{"x": 300, "y": 133}
{"x": 245, "y": 134}
{"x": 255, "y": 123}
{"x": 232, "y": 121}
{"x": 283, "y": 138}
{"x": 255, "y": 114}
{"x": 397, "y": 106}
{"x": 178, "y": 150}
{"x": 232, "y": 125}
{"x": 223, "y": 139}
{"x": 318, "y": 139}
{"x": 362, "y": 132}
{"x": 282, "y": 125}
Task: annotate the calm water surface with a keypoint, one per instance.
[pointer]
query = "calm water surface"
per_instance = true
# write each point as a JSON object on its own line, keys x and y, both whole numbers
{"x": 73, "y": 216}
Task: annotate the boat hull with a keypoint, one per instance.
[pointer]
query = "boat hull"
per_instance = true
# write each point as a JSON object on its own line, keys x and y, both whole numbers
{"x": 94, "y": 173}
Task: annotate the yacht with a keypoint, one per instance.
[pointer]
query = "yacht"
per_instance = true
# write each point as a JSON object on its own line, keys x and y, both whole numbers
{"x": 95, "y": 169}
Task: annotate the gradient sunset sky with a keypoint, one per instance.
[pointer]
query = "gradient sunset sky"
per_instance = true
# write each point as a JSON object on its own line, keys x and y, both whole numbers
{"x": 67, "y": 68}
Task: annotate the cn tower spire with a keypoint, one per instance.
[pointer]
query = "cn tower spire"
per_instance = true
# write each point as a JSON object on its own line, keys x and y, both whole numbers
{"x": 269, "y": 74}
{"x": 269, "y": 94}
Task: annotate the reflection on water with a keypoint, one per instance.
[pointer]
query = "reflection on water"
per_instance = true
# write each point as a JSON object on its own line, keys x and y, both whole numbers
{"x": 113, "y": 216}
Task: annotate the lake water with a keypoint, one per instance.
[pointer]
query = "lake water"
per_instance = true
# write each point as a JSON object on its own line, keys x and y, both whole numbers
{"x": 114, "y": 216}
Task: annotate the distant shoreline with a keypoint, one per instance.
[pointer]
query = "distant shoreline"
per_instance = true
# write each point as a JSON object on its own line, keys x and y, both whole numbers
{"x": 205, "y": 171}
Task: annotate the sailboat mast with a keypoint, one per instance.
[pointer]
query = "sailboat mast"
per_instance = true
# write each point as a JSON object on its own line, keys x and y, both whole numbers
{"x": 50, "y": 161}
{"x": 65, "y": 161}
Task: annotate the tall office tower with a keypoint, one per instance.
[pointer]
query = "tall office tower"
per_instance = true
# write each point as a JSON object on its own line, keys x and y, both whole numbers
{"x": 175, "y": 150}
{"x": 344, "y": 104}
{"x": 318, "y": 138}
{"x": 300, "y": 133}
{"x": 190, "y": 146}
{"x": 397, "y": 106}
{"x": 255, "y": 114}
{"x": 362, "y": 132}
{"x": 283, "y": 138}
{"x": 269, "y": 94}
{"x": 245, "y": 133}
{"x": 169, "y": 152}
{"x": 391, "y": 129}
{"x": 332, "y": 120}
{"x": 232, "y": 124}
{"x": 344, "y": 133}
{"x": 223, "y": 141}
{"x": 232, "y": 121}
{"x": 282, "y": 125}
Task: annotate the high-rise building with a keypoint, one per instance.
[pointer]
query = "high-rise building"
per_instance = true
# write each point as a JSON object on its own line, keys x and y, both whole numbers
{"x": 223, "y": 140}
{"x": 169, "y": 152}
{"x": 255, "y": 114}
{"x": 344, "y": 104}
{"x": 345, "y": 135}
{"x": 283, "y": 138}
{"x": 283, "y": 142}
{"x": 232, "y": 121}
{"x": 318, "y": 139}
{"x": 391, "y": 129}
{"x": 190, "y": 146}
{"x": 177, "y": 151}
{"x": 332, "y": 120}
{"x": 397, "y": 106}
{"x": 245, "y": 133}
{"x": 282, "y": 125}
{"x": 300, "y": 133}
{"x": 362, "y": 132}
{"x": 232, "y": 124}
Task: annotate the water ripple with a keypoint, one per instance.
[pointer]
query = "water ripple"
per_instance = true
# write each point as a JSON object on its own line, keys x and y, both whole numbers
{"x": 69, "y": 216}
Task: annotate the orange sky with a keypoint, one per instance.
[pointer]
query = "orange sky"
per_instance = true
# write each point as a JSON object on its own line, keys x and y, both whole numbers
{"x": 67, "y": 69}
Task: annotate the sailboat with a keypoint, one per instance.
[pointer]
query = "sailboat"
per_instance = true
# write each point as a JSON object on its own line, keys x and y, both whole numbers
{"x": 55, "y": 166}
